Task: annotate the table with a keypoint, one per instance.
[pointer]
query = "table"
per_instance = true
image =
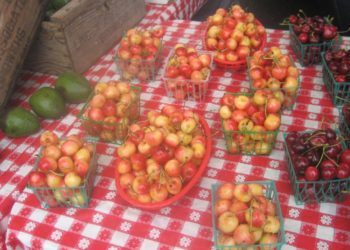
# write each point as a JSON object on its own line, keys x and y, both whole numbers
{"x": 109, "y": 223}
{"x": 17, "y": 155}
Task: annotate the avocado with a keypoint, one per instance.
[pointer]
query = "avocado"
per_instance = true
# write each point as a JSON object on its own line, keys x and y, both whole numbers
{"x": 57, "y": 4}
{"x": 19, "y": 122}
{"x": 47, "y": 103}
{"x": 74, "y": 88}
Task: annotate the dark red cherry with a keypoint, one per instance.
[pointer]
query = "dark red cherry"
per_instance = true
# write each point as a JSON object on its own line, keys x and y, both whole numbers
{"x": 312, "y": 173}
{"x": 313, "y": 156}
{"x": 293, "y": 19}
{"x": 303, "y": 37}
{"x": 343, "y": 68}
{"x": 297, "y": 29}
{"x": 327, "y": 164}
{"x": 300, "y": 164}
{"x": 298, "y": 147}
{"x": 329, "y": 173}
{"x": 343, "y": 171}
{"x": 305, "y": 28}
{"x": 314, "y": 38}
{"x": 333, "y": 149}
{"x": 328, "y": 32}
{"x": 292, "y": 137}
{"x": 330, "y": 134}
{"x": 345, "y": 156}
{"x": 340, "y": 78}
{"x": 328, "y": 56}
{"x": 301, "y": 20}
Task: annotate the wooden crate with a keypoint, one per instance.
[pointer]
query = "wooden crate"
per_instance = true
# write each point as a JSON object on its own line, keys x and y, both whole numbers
{"x": 19, "y": 21}
{"x": 81, "y": 32}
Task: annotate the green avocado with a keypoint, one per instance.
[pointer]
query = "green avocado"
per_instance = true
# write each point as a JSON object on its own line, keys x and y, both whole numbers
{"x": 57, "y": 4}
{"x": 48, "y": 103}
{"x": 74, "y": 88}
{"x": 19, "y": 122}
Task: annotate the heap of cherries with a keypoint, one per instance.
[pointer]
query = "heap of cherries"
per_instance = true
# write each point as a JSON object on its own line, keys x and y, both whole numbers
{"x": 314, "y": 29}
{"x": 339, "y": 64}
{"x": 318, "y": 155}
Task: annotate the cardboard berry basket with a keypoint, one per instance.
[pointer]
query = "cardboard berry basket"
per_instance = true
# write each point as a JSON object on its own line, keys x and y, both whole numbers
{"x": 260, "y": 238}
{"x": 68, "y": 196}
{"x": 339, "y": 91}
{"x": 310, "y": 53}
{"x": 112, "y": 132}
{"x": 142, "y": 69}
{"x": 317, "y": 191}
{"x": 187, "y": 89}
{"x": 290, "y": 94}
{"x": 186, "y": 186}
{"x": 238, "y": 65}
{"x": 247, "y": 142}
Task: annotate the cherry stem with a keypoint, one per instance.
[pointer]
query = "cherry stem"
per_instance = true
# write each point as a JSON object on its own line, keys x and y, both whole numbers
{"x": 310, "y": 149}
{"x": 55, "y": 173}
{"x": 285, "y": 23}
{"x": 251, "y": 216}
{"x": 316, "y": 134}
{"x": 343, "y": 31}
{"x": 328, "y": 19}
{"x": 343, "y": 99}
{"x": 303, "y": 13}
{"x": 323, "y": 153}
{"x": 321, "y": 158}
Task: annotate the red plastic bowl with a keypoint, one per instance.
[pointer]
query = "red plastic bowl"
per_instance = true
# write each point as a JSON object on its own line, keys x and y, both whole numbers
{"x": 237, "y": 65}
{"x": 185, "y": 189}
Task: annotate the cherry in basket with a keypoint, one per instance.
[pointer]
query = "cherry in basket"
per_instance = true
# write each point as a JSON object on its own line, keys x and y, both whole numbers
{"x": 64, "y": 171}
{"x": 234, "y": 35}
{"x": 187, "y": 73}
{"x": 138, "y": 54}
{"x": 162, "y": 158}
{"x": 247, "y": 216}
{"x": 275, "y": 71}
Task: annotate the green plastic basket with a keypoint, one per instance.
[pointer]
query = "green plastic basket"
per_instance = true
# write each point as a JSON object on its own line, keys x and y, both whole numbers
{"x": 270, "y": 193}
{"x": 187, "y": 89}
{"x": 253, "y": 143}
{"x": 315, "y": 191}
{"x": 66, "y": 196}
{"x": 290, "y": 98}
{"x": 95, "y": 129}
{"x": 339, "y": 91}
{"x": 143, "y": 70}
{"x": 343, "y": 126}
{"x": 310, "y": 53}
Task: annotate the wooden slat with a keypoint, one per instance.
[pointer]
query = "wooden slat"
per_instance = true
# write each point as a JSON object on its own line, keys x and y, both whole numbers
{"x": 99, "y": 28}
{"x": 19, "y": 21}
{"x": 49, "y": 54}
{"x": 81, "y": 32}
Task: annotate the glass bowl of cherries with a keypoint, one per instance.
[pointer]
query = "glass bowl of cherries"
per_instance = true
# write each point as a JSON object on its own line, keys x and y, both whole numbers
{"x": 318, "y": 165}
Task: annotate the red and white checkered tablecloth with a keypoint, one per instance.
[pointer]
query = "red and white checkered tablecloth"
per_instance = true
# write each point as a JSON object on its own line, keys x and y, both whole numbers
{"x": 109, "y": 223}
{"x": 18, "y": 155}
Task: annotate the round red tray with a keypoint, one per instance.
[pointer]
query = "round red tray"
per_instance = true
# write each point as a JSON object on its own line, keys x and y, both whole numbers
{"x": 236, "y": 65}
{"x": 185, "y": 189}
